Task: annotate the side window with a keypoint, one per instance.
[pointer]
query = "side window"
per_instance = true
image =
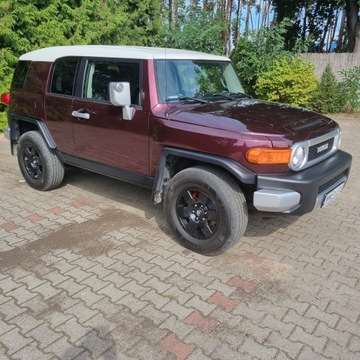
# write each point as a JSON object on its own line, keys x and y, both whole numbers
{"x": 64, "y": 73}
{"x": 100, "y": 73}
{"x": 20, "y": 73}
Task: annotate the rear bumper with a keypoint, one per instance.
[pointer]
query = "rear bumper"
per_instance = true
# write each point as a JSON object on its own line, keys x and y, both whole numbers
{"x": 300, "y": 192}
{"x": 7, "y": 132}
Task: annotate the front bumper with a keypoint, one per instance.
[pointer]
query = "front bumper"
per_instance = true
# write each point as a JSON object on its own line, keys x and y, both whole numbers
{"x": 300, "y": 192}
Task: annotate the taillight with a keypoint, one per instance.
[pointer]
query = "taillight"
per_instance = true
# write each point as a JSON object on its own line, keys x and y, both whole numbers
{"x": 5, "y": 99}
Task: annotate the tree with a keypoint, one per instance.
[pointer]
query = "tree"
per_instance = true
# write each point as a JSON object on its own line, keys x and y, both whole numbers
{"x": 353, "y": 25}
{"x": 256, "y": 54}
{"x": 198, "y": 30}
{"x": 32, "y": 24}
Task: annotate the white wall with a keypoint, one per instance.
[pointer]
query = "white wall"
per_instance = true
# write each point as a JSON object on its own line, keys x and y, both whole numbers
{"x": 338, "y": 62}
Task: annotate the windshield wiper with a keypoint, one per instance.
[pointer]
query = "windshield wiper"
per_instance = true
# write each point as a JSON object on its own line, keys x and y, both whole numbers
{"x": 230, "y": 95}
{"x": 185, "y": 98}
{"x": 239, "y": 94}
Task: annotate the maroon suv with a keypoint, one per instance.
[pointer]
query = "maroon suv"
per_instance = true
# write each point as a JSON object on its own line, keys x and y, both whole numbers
{"x": 177, "y": 122}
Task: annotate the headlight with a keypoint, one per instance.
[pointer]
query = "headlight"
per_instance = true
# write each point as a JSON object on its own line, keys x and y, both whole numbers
{"x": 298, "y": 157}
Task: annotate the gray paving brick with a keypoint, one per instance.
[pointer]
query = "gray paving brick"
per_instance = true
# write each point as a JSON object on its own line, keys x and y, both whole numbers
{"x": 354, "y": 345}
{"x": 63, "y": 349}
{"x": 26, "y": 322}
{"x": 47, "y": 290}
{"x": 152, "y": 313}
{"x": 107, "y": 307}
{"x": 177, "y": 309}
{"x": 292, "y": 317}
{"x": 340, "y": 337}
{"x": 7, "y": 285}
{"x": 132, "y": 303}
{"x": 13, "y": 341}
{"x": 144, "y": 347}
{"x": 315, "y": 342}
{"x": 5, "y": 327}
{"x": 100, "y": 271}
{"x": 71, "y": 286}
{"x": 271, "y": 322}
{"x": 178, "y": 328}
{"x": 81, "y": 312}
{"x": 174, "y": 293}
{"x": 95, "y": 283}
{"x": 9, "y": 309}
{"x": 31, "y": 352}
{"x": 134, "y": 288}
{"x": 196, "y": 303}
{"x": 55, "y": 277}
{"x": 289, "y": 347}
{"x": 100, "y": 324}
{"x": 225, "y": 352}
{"x": 73, "y": 329}
{"x": 308, "y": 353}
{"x": 253, "y": 348}
{"x": 44, "y": 335}
{"x": 112, "y": 292}
{"x": 330, "y": 319}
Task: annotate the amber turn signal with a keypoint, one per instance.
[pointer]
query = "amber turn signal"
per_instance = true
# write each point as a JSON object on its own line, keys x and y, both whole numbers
{"x": 265, "y": 156}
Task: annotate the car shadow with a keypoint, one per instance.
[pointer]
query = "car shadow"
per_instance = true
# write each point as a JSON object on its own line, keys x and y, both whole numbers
{"x": 260, "y": 224}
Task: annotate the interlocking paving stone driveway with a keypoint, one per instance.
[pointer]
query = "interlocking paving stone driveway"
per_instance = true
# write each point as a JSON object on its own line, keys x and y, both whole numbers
{"x": 90, "y": 271}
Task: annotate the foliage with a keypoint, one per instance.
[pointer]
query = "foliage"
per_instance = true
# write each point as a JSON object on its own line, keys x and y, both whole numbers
{"x": 29, "y": 25}
{"x": 197, "y": 30}
{"x": 288, "y": 81}
{"x": 316, "y": 19}
{"x": 351, "y": 88}
{"x": 329, "y": 96}
{"x": 257, "y": 54}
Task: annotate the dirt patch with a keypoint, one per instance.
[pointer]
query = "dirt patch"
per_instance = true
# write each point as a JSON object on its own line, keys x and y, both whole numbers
{"x": 88, "y": 237}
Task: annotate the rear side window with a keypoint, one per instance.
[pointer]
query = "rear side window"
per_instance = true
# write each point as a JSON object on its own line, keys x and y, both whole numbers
{"x": 63, "y": 78}
{"x": 20, "y": 74}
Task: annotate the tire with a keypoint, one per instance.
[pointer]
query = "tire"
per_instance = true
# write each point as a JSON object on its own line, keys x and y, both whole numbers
{"x": 206, "y": 210}
{"x": 39, "y": 165}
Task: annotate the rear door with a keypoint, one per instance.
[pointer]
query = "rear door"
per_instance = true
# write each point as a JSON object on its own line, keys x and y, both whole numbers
{"x": 59, "y": 103}
{"x": 105, "y": 141}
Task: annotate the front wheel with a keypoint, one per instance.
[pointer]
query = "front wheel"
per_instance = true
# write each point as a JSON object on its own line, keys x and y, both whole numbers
{"x": 206, "y": 209}
{"x": 39, "y": 165}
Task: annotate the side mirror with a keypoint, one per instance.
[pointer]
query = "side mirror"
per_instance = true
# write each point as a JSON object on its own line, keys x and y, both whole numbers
{"x": 120, "y": 96}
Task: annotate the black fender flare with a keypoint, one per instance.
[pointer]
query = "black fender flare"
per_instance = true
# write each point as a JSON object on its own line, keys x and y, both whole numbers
{"x": 40, "y": 124}
{"x": 162, "y": 176}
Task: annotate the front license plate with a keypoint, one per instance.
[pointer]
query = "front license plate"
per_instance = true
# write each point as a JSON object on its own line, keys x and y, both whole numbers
{"x": 332, "y": 195}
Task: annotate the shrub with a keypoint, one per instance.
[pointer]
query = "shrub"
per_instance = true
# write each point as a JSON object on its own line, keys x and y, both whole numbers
{"x": 3, "y": 120}
{"x": 329, "y": 96}
{"x": 256, "y": 54}
{"x": 351, "y": 88}
{"x": 291, "y": 81}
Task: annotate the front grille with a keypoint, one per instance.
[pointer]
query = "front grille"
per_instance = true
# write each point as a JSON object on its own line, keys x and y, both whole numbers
{"x": 331, "y": 182}
{"x": 315, "y": 150}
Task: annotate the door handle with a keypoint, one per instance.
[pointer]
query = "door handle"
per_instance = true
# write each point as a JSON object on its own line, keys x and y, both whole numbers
{"x": 82, "y": 115}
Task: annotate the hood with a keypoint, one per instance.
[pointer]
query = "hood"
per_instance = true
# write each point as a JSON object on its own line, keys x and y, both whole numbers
{"x": 251, "y": 115}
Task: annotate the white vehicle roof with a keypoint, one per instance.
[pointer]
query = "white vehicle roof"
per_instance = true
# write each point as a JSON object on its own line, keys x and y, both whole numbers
{"x": 50, "y": 54}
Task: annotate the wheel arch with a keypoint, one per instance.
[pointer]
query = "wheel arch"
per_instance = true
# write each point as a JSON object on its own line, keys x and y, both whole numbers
{"x": 20, "y": 124}
{"x": 173, "y": 160}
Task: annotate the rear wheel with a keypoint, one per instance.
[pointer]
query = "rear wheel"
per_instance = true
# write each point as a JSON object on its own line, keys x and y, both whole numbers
{"x": 39, "y": 165}
{"x": 206, "y": 209}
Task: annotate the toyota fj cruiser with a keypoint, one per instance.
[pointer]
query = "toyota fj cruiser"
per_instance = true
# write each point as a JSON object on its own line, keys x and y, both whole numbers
{"x": 177, "y": 122}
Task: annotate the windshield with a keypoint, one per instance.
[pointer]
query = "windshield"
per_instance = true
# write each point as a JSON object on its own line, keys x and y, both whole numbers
{"x": 195, "y": 79}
